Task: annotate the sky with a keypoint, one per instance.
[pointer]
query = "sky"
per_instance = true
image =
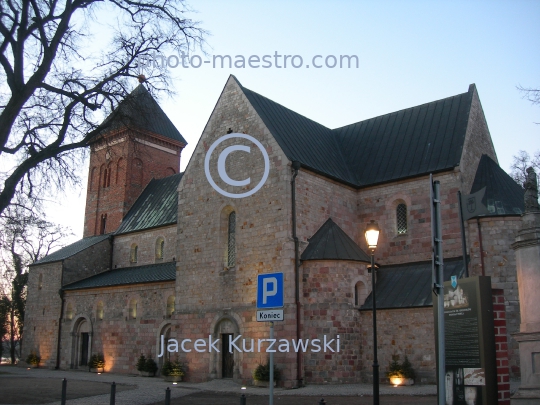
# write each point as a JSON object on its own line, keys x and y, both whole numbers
{"x": 409, "y": 53}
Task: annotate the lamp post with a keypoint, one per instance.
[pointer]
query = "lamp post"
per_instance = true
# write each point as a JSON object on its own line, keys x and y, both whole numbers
{"x": 372, "y": 236}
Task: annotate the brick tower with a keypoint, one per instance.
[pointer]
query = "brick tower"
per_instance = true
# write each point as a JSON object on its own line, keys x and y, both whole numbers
{"x": 139, "y": 143}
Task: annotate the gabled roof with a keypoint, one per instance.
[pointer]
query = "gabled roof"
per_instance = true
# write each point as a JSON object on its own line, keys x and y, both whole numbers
{"x": 420, "y": 140}
{"x": 72, "y": 249}
{"x": 140, "y": 110}
{"x": 156, "y": 206}
{"x": 128, "y": 275}
{"x": 409, "y": 285}
{"x": 330, "y": 242}
{"x": 503, "y": 195}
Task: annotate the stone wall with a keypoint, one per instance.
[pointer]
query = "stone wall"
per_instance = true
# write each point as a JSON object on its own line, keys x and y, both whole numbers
{"x": 329, "y": 310}
{"x": 119, "y": 336}
{"x": 404, "y": 332}
{"x": 146, "y": 247}
{"x": 43, "y": 312}
{"x": 91, "y": 261}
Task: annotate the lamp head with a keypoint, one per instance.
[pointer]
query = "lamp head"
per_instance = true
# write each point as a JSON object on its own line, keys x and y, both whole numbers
{"x": 372, "y": 234}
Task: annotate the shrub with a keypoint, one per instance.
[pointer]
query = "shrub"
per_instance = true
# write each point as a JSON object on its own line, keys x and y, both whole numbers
{"x": 141, "y": 363}
{"x": 400, "y": 370}
{"x": 150, "y": 366}
{"x": 97, "y": 361}
{"x": 33, "y": 359}
{"x": 173, "y": 369}
{"x": 262, "y": 372}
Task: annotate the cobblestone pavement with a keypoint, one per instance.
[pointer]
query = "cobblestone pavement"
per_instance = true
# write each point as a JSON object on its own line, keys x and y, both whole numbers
{"x": 152, "y": 390}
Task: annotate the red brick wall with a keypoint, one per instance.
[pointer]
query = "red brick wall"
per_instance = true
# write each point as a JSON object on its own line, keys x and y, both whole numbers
{"x": 501, "y": 347}
{"x": 129, "y": 160}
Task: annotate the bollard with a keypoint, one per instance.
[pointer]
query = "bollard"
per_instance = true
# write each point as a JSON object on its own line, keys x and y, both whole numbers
{"x": 168, "y": 396}
{"x": 322, "y": 402}
{"x": 64, "y": 389}
{"x": 113, "y": 393}
{"x": 243, "y": 399}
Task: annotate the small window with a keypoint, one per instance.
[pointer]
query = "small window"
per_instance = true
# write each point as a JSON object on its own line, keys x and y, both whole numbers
{"x": 103, "y": 225}
{"x": 133, "y": 309}
{"x": 133, "y": 255}
{"x": 69, "y": 312}
{"x": 99, "y": 310}
{"x": 231, "y": 240}
{"x": 360, "y": 293}
{"x": 170, "y": 306}
{"x": 160, "y": 246}
{"x": 40, "y": 281}
{"x": 401, "y": 216}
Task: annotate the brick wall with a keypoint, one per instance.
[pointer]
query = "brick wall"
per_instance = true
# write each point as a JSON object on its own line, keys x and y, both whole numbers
{"x": 501, "y": 347}
{"x": 130, "y": 160}
{"x": 498, "y": 233}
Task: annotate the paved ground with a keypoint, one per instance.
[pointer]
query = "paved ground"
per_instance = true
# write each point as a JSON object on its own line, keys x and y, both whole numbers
{"x": 38, "y": 386}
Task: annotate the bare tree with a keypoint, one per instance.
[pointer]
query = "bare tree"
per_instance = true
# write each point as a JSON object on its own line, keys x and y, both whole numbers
{"x": 521, "y": 162}
{"x": 55, "y": 91}
{"x": 24, "y": 239}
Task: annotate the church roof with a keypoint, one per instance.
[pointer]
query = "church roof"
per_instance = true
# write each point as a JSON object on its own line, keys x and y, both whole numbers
{"x": 128, "y": 275}
{"x": 503, "y": 195}
{"x": 156, "y": 206}
{"x": 420, "y": 140}
{"x": 409, "y": 285}
{"x": 330, "y": 242}
{"x": 140, "y": 110}
{"x": 72, "y": 249}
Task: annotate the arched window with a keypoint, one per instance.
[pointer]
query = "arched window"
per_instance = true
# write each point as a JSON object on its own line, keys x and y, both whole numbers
{"x": 231, "y": 240}
{"x": 120, "y": 169}
{"x": 40, "y": 281}
{"x": 360, "y": 293}
{"x": 69, "y": 312}
{"x": 160, "y": 246}
{"x": 99, "y": 310}
{"x": 92, "y": 179}
{"x": 401, "y": 219}
{"x": 170, "y": 306}
{"x": 133, "y": 255}
{"x": 133, "y": 309}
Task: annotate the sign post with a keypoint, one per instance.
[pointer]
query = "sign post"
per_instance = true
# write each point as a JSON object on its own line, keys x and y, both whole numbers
{"x": 269, "y": 297}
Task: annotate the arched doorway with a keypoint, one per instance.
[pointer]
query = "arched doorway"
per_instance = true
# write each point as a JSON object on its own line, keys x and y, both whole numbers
{"x": 225, "y": 364}
{"x": 81, "y": 343}
{"x": 165, "y": 331}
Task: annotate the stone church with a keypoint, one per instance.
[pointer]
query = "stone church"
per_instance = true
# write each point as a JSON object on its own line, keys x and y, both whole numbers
{"x": 178, "y": 254}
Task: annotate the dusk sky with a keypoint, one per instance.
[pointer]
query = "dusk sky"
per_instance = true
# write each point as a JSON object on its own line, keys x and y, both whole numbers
{"x": 409, "y": 53}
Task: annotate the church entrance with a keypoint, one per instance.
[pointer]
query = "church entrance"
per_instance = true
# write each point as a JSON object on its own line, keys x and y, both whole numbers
{"x": 85, "y": 340}
{"x": 227, "y": 358}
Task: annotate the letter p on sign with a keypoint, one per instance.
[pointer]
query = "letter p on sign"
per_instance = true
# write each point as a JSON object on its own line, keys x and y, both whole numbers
{"x": 270, "y": 290}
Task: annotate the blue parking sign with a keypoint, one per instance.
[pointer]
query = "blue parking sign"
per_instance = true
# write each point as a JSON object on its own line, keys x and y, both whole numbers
{"x": 270, "y": 290}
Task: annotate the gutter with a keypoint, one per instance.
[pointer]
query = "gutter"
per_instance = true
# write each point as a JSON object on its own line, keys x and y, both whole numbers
{"x": 295, "y": 168}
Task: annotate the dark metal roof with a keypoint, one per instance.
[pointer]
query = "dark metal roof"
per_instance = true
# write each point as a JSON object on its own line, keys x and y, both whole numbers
{"x": 409, "y": 285}
{"x": 140, "y": 110}
{"x": 156, "y": 206}
{"x": 72, "y": 249}
{"x": 419, "y": 140}
{"x": 330, "y": 242}
{"x": 301, "y": 139}
{"x": 128, "y": 275}
{"x": 503, "y": 195}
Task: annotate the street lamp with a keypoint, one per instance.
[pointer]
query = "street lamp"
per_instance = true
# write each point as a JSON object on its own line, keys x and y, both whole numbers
{"x": 372, "y": 236}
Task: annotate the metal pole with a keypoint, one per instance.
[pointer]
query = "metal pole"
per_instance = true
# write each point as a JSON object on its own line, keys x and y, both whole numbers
{"x": 439, "y": 290}
{"x": 113, "y": 393}
{"x": 463, "y": 240}
{"x": 243, "y": 399}
{"x": 375, "y": 360}
{"x": 168, "y": 396}
{"x": 271, "y": 397}
{"x": 64, "y": 389}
